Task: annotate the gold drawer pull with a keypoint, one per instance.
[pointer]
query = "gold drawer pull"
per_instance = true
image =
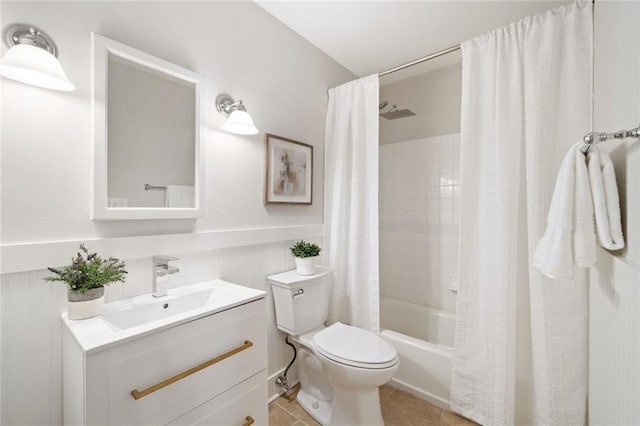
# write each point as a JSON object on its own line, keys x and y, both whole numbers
{"x": 249, "y": 421}
{"x": 151, "y": 389}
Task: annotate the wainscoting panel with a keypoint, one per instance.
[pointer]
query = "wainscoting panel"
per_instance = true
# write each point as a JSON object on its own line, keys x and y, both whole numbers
{"x": 30, "y": 326}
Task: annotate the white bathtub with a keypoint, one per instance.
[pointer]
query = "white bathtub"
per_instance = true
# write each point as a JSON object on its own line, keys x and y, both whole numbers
{"x": 423, "y": 337}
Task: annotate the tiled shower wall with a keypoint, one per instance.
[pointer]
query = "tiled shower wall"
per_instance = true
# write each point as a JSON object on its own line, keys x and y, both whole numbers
{"x": 419, "y": 220}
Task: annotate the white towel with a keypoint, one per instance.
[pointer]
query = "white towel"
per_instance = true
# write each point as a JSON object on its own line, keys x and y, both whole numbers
{"x": 569, "y": 238}
{"x": 604, "y": 191}
{"x": 179, "y": 196}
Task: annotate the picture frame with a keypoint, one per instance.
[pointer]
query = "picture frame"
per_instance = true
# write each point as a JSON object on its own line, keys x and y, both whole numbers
{"x": 288, "y": 171}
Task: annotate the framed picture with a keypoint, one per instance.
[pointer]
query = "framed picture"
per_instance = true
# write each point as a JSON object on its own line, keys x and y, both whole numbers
{"x": 289, "y": 171}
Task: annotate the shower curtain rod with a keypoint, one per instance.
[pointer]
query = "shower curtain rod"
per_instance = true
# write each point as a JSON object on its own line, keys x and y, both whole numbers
{"x": 421, "y": 60}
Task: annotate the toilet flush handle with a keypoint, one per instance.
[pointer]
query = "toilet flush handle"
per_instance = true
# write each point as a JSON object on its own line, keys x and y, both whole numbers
{"x": 300, "y": 292}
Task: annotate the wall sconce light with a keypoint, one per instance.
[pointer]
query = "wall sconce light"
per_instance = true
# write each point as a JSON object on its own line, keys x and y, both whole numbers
{"x": 32, "y": 58}
{"x": 238, "y": 119}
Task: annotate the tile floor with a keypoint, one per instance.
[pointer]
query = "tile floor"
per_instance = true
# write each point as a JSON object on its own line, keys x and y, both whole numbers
{"x": 399, "y": 408}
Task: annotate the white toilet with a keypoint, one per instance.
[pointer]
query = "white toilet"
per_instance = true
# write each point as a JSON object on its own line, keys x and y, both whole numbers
{"x": 340, "y": 367}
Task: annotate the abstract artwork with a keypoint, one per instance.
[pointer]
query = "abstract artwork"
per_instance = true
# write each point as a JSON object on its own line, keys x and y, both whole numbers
{"x": 288, "y": 171}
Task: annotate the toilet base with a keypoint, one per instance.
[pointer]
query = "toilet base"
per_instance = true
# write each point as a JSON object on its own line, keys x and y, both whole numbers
{"x": 348, "y": 406}
{"x": 352, "y": 406}
{"x": 319, "y": 410}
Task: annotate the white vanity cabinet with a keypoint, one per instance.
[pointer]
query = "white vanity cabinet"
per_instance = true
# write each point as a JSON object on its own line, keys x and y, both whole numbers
{"x": 209, "y": 370}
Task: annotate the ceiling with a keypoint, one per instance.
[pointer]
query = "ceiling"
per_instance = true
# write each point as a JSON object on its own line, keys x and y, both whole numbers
{"x": 367, "y": 37}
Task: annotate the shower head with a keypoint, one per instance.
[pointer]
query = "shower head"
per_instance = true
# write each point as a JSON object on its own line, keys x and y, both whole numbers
{"x": 382, "y": 105}
{"x": 395, "y": 113}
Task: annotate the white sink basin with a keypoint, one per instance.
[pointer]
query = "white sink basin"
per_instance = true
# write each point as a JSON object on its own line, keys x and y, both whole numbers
{"x": 158, "y": 309}
{"x": 128, "y": 319}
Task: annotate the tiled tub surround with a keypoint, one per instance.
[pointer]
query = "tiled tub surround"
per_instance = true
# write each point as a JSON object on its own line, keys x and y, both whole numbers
{"x": 419, "y": 208}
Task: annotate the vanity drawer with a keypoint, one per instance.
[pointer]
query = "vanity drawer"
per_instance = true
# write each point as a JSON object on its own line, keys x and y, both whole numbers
{"x": 218, "y": 351}
{"x": 240, "y": 405}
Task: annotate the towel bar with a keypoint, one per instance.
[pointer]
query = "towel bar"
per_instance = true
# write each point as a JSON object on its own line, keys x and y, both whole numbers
{"x": 148, "y": 187}
{"x": 594, "y": 138}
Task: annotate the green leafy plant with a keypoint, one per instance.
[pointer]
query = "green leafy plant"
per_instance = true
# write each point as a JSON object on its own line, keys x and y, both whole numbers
{"x": 89, "y": 271}
{"x": 304, "y": 249}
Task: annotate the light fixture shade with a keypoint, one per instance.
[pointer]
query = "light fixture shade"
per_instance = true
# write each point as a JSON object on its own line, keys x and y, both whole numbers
{"x": 240, "y": 122}
{"x": 35, "y": 66}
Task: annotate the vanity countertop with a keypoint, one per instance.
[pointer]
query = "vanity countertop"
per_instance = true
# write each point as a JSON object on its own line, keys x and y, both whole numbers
{"x": 133, "y": 318}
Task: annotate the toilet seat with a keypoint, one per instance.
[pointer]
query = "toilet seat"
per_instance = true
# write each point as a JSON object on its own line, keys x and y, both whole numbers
{"x": 355, "y": 347}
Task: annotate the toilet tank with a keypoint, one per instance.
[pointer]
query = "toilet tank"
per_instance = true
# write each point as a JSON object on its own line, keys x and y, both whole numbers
{"x": 301, "y": 301}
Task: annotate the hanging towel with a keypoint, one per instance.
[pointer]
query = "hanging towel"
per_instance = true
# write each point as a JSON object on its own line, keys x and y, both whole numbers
{"x": 179, "y": 196}
{"x": 606, "y": 203}
{"x": 569, "y": 238}
{"x": 584, "y": 235}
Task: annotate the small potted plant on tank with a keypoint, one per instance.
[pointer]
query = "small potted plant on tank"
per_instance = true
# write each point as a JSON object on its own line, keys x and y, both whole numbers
{"x": 85, "y": 278}
{"x": 306, "y": 255}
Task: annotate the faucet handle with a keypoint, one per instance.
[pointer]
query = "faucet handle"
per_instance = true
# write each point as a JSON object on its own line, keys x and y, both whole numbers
{"x": 163, "y": 259}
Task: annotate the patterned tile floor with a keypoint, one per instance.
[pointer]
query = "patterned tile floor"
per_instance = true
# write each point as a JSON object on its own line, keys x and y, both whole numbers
{"x": 399, "y": 408}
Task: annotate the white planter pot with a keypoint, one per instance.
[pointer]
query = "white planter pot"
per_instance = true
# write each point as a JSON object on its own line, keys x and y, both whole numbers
{"x": 87, "y": 305}
{"x": 306, "y": 265}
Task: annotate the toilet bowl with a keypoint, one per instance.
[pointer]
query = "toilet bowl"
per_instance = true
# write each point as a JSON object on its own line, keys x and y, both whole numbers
{"x": 340, "y": 366}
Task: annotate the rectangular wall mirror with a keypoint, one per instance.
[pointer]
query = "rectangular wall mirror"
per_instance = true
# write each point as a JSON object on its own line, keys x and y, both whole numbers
{"x": 149, "y": 127}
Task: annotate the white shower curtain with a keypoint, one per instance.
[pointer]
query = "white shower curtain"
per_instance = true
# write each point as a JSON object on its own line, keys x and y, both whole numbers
{"x": 521, "y": 339}
{"x": 351, "y": 202}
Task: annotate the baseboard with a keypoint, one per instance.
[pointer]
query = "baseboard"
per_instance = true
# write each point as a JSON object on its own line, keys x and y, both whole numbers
{"x": 275, "y": 391}
{"x": 435, "y": 400}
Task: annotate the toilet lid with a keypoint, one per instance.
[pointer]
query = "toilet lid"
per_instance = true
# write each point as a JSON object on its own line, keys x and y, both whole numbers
{"x": 355, "y": 346}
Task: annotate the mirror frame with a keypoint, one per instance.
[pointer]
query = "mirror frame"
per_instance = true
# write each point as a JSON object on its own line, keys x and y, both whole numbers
{"x": 100, "y": 210}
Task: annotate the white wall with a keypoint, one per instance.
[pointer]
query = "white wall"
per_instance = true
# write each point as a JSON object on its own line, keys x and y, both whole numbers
{"x": 242, "y": 50}
{"x": 419, "y": 220}
{"x": 614, "y": 329}
{"x": 45, "y": 166}
{"x": 435, "y": 98}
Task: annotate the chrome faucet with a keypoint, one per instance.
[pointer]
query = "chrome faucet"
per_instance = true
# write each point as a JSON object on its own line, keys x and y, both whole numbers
{"x": 162, "y": 268}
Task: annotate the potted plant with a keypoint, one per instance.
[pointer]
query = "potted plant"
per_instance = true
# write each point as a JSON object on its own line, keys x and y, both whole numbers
{"x": 306, "y": 255}
{"x": 86, "y": 277}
